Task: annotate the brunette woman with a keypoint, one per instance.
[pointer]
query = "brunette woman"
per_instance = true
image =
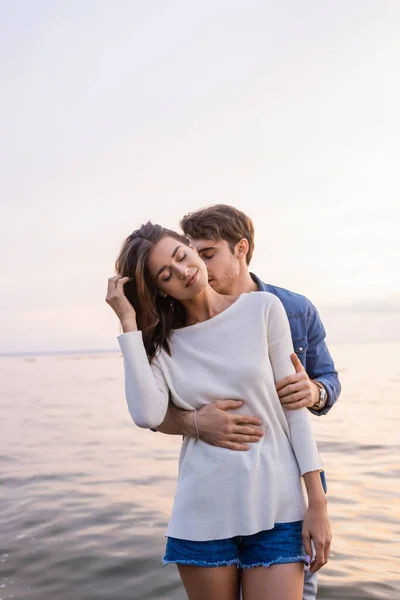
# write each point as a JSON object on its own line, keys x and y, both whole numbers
{"x": 239, "y": 519}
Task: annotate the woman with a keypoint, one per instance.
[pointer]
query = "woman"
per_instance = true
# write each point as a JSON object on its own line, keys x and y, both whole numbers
{"x": 231, "y": 510}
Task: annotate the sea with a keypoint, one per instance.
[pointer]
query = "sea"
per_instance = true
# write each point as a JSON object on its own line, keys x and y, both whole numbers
{"x": 85, "y": 495}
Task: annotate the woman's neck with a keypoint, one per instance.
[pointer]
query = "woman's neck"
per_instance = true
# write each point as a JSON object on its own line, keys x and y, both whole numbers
{"x": 206, "y": 305}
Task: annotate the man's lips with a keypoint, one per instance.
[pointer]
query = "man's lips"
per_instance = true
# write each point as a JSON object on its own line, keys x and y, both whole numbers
{"x": 192, "y": 279}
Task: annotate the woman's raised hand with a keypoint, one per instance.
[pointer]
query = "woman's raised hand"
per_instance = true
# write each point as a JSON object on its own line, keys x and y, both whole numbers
{"x": 120, "y": 304}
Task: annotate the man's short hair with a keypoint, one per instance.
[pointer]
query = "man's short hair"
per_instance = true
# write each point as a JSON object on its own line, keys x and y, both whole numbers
{"x": 220, "y": 222}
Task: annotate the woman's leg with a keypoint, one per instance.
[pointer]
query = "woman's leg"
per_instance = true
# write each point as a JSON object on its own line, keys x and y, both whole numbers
{"x": 211, "y": 583}
{"x": 283, "y": 581}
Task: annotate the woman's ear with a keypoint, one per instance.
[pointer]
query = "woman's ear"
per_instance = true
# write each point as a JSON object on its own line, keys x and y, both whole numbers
{"x": 162, "y": 294}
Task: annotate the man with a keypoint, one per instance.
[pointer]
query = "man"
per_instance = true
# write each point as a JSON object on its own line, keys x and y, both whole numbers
{"x": 224, "y": 238}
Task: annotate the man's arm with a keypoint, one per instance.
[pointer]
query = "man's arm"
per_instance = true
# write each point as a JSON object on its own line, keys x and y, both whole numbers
{"x": 216, "y": 426}
{"x": 320, "y": 366}
{"x": 301, "y": 389}
{"x": 178, "y": 422}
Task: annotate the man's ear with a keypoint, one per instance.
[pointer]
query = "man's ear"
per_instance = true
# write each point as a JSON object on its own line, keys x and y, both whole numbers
{"x": 242, "y": 248}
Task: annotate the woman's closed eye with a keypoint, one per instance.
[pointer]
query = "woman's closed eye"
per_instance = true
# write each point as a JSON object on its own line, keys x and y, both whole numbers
{"x": 180, "y": 259}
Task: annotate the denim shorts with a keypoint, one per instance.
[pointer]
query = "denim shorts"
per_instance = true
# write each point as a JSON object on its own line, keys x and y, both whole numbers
{"x": 282, "y": 544}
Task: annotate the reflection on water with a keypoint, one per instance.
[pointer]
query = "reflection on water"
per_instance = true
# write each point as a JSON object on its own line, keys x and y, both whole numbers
{"x": 85, "y": 495}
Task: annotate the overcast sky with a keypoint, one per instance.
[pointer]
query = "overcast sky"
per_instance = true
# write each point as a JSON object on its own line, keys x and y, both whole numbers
{"x": 116, "y": 112}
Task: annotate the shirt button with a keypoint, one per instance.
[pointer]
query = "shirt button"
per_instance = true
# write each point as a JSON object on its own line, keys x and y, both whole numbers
{"x": 301, "y": 349}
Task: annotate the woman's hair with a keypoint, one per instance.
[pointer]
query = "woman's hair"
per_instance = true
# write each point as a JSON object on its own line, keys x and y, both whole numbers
{"x": 156, "y": 316}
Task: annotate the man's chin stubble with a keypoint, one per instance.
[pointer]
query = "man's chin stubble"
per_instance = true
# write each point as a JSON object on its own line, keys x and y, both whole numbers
{"x": 220, "y": 290}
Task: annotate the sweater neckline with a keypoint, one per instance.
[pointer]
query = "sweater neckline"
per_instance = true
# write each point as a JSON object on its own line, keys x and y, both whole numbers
{"x": 212, "y": 320}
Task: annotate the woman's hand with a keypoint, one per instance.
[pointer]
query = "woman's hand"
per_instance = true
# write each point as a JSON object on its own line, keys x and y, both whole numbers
{"x": 316, "y": 527}
{"x": 120, "y": 304}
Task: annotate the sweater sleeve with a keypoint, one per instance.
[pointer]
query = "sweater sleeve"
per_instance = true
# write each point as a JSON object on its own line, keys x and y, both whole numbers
{"x": 280, "y": 347}
{"x": 146, "y": 389}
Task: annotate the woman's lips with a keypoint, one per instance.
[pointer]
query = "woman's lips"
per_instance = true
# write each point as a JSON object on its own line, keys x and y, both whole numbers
{"x": 193, "y": 279}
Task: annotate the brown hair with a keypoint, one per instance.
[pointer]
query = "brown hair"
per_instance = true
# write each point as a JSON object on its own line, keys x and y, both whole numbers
{"x": 220, "y": 222}
{"x": 156, "y": 315}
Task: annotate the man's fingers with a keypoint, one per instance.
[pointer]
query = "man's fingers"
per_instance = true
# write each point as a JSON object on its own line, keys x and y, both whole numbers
{"x": 238, "y": 419}
{"x": 292, "y": 398}
{"x": 294, "y": 405}
{"x": 285, "y": 381}
{"x": 296, "y": 363}
{"x": 241, "y": 420}
{"x": 244, "y": 439}
{"x": 228, "y": 404}
{"x": 234, "y": 446}
{"x": 292, "y": 388}
{"x": 242, "y": 430}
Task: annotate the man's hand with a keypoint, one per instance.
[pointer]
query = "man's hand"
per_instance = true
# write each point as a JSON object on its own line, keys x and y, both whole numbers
{"x": 219, "y": 428}
{"x": 298, "y": 390}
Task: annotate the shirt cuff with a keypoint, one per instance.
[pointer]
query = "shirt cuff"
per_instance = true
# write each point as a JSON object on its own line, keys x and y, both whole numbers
{"x": 328, "y": 405}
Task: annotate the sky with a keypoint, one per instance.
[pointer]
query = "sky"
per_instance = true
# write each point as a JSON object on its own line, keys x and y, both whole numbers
{"x": 117, "y": 112}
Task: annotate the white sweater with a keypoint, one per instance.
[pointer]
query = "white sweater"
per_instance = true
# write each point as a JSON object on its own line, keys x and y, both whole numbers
{"x": 239, "y": 354}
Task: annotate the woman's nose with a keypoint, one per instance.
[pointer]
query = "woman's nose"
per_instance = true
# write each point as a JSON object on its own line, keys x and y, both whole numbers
{"x": 184, "y": 272}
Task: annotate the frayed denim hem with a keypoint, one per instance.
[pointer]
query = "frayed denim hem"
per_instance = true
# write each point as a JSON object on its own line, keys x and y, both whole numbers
{"x": 282, "y": 560}
{"x": 203, "y": 563}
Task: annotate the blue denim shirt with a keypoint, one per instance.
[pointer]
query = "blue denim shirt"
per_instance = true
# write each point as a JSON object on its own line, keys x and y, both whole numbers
{"x": 308, "y": 335}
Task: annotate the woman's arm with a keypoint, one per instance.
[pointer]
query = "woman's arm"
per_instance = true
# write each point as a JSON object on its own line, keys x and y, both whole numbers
{"x": 146, "y": 390}
{"x": 316, "y": 524}
{"x": 145, "y": 387}
{"x": 280, "y": 348}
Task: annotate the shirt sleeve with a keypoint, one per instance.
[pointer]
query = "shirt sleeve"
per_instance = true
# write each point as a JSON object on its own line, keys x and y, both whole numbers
{"x": 146, "y": 389}
{"x": 320, "y": 364}
{"x": 280, "y": 347}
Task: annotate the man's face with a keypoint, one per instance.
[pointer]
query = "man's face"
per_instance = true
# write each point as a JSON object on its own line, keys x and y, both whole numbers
{"x": 222, "y": 266}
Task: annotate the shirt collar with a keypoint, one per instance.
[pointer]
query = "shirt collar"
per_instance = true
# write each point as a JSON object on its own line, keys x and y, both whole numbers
{"x": 263, "y": 287}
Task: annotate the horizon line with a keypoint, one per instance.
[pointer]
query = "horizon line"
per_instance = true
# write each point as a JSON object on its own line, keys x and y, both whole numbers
{"x": 75, "y": 351}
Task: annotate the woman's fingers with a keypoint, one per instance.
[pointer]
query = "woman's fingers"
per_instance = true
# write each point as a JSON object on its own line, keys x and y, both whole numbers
{"x": 328, "y": 550}
{"x": 319, "y": 560}
{"x": 122, "y": 281}
{"x": 307, "y": 544}
{"x": 117, "y": 282}
{"x": 119, "y": 302}
{"x": 322, "y": 552}
{"x": 112, "y": 284}
{"x": 115, "y": 287}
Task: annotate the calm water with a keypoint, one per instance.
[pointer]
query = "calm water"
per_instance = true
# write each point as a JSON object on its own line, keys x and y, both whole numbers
{"x": 85, "y": 495}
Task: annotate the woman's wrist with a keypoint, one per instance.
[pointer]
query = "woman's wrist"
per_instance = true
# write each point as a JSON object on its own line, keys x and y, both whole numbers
{"x": 315, "y": 492}
{"x": 129, "y": 324}
{"x": 318, "y": 502}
